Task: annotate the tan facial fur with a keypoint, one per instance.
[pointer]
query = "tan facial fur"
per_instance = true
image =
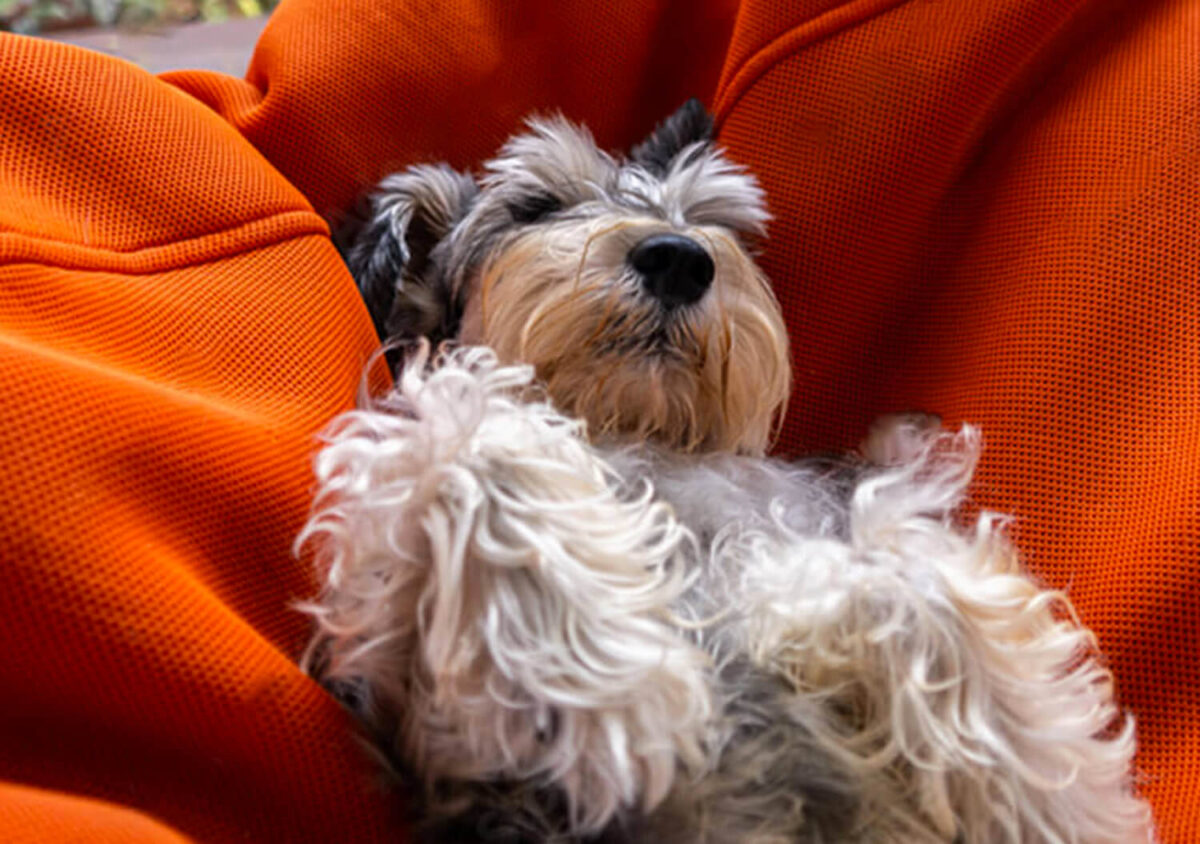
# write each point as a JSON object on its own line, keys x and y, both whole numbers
{"x": 711, "y": 376}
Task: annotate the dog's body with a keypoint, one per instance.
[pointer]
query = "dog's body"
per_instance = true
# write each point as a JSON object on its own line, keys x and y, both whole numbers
{"x": 575, "y": 601}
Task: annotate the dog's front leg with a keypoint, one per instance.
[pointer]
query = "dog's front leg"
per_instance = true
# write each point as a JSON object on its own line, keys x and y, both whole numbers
{"x": 967, "y": 698}
{"x": 499, "y": 606}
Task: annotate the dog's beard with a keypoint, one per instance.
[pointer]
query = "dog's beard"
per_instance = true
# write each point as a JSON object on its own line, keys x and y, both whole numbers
{"x": 711, "y": 376}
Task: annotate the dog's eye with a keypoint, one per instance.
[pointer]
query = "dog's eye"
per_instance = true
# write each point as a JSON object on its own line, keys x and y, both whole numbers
{"x": 532, "y": 208}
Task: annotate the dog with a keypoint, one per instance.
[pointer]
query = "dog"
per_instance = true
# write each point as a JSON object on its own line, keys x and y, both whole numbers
{"x": 570, "y": 598}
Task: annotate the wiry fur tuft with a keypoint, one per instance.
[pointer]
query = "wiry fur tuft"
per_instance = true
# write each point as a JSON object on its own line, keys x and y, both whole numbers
{"x": 826, "y": 651}
{"x": 391, "y": 248}
{"x": 690, "y": 124}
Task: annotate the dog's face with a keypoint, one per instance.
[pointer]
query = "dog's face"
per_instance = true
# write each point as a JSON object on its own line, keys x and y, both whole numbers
{"x": 625, "y": 282}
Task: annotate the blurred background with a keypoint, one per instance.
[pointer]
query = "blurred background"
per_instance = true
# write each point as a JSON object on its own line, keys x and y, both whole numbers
{"x": 156, "y": 34}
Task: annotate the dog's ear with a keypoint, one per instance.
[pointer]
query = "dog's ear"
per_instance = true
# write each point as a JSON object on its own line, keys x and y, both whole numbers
{"x": 690, "y": 124}
{"x": 388, "y": 241}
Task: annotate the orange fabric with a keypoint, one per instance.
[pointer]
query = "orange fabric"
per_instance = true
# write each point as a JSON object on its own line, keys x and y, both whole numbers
{"x": 986, "y": 209}
{"x": 30, "y": 816}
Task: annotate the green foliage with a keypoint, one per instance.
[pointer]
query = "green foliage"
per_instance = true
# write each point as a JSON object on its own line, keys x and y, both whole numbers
{"x": 32, "y": 16}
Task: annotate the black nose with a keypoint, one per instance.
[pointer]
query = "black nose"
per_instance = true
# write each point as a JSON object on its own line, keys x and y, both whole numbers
{"x": 674, "y": 269}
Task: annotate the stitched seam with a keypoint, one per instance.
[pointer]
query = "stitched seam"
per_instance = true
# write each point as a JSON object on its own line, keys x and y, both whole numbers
{"x": 11, "y": 343}
{"x": 816, "y": 29}
{"x": 84, "y": 267}
{"x": 37, "y": 238}
{"x": 94, "y": 258}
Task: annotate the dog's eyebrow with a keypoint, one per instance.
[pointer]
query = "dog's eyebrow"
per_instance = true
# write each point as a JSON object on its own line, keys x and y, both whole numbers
{"x": 637, "y": 187}
{"x": 636, "y": 197}
{"x": 710, "y": 189}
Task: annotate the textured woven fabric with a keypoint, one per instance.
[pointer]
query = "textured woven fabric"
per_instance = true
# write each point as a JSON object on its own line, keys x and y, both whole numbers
{"x": 983, "y": 208}
{"x": 174, "y": 326}
{"x": 988, "y": 210}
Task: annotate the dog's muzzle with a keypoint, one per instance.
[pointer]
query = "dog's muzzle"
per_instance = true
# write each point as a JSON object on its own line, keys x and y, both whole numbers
{"x": 675, "y": 270}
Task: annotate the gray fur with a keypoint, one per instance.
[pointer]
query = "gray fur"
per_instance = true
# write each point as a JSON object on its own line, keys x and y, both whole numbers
{"x": 391, "y": 249}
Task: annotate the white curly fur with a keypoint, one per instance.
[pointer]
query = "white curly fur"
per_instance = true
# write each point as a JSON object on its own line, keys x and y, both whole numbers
{"x": 488, "y": 583}
{"x": 694, "y": 648}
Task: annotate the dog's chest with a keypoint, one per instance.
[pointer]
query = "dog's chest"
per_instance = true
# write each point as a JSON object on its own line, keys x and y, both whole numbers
{"x": 720, "y": 496}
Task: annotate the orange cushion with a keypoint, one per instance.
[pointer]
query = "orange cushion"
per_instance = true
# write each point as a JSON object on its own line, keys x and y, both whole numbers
{"x": 983, "y": 208}
{"x": 989, "y": 210}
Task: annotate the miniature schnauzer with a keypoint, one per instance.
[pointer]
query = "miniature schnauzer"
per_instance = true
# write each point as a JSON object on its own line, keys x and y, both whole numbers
{"x": 571, "y": 599}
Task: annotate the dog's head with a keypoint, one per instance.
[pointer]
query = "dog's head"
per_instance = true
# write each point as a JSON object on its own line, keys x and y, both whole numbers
{"x": 624, "y": 281}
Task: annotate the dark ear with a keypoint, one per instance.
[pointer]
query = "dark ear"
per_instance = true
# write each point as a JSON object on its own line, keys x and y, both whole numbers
{"x": 689, "y": 124}
{"x": 388, "y": 241}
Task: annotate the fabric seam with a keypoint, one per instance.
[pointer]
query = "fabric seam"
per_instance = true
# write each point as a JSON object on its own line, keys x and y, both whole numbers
{"x": 81, "y": 256}
{"x": 803, "y": 34}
